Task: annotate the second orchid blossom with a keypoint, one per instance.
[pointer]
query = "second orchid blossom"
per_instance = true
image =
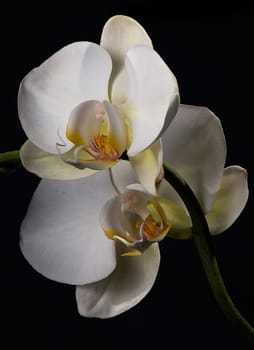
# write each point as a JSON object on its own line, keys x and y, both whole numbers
{"x": 195, "y": 147}
{"x": 88, "y": 104}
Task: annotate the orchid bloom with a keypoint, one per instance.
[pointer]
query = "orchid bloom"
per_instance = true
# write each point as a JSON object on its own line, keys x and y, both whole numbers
{"x": 104, "y": 239}
{"x": 88, "y": 104}
{"x": 195, "y": 146}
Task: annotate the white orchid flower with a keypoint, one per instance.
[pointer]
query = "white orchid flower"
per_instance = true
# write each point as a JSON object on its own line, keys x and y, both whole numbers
{"x": 88, "y": 104}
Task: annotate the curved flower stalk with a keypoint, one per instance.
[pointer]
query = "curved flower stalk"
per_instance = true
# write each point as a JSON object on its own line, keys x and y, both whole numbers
{"x": 88, "y": 104}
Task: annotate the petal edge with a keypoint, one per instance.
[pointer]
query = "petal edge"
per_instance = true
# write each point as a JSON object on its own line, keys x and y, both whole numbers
{"x": 231, "y": 200}
{"x": 123, "y": 289}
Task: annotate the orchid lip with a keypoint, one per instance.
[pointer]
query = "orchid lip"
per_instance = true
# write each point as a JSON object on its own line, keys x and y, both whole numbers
{"x": 98, "y": 133}
{"x": 147, "y": 222}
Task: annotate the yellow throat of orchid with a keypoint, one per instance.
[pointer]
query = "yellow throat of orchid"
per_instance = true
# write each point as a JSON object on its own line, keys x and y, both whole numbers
{"x": 148, "y": 223}
{"x": 99, "y": 146}
{"x": 99, "y": 135}
{"x": 155, "y": 227}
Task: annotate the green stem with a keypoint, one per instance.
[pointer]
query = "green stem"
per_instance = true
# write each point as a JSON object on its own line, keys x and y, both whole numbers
{"x": 9, "y": 161}
{"x": 203, "y": 241}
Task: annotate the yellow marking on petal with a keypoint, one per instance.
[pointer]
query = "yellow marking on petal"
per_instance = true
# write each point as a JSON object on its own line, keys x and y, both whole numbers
{"x": 111, "y": 234}
{"x": 74, "y": 137}
{"x": 115, "y": 143}
{"x": 162, "y": 235}
{"x": 183, "y": 234}
{"x": 103, "y": 127}
{"x": 104, "y": 148}
{"x": 160, "y": 210}
{"x": 129, "y": 132}
{"x": 154, "y": 213}
{"x": 133, "y": 252}
{"x": 155, "y": 227}
{"x": 149, "y": 226}
{"x": 101, "y": 143}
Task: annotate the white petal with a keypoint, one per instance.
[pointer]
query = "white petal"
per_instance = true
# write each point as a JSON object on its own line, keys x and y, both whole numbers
{"x": 47, "y": 95}
{"x": 113, "y": 219}
{"x": 61, "y": 236}
{"x": 123, "y": 175}
{"x": 94, "y": 164}
{"x": 153, "y": 97}
{"x": 148, "y": 165}
{"x": 195, "y": 146}
{"x": 49, "y": 166}
{"x": 124, "y": 288}
{"x": 230, "y": 201}
{"x": 175, "y": 214}
{"x": 119, "y": 34}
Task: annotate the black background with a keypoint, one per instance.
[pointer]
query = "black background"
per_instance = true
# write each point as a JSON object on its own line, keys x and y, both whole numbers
{"x": 209, "y": 48}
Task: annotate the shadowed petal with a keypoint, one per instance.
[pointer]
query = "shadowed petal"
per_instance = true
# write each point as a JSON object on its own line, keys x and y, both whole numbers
{"x": 61, "y": 236}
{"x": 195, "y": 146}
{"x": 123, "y": 175}
{"x": 49, "y": 166}
{"x": 130, "y": 282}
{"x": 230, "y": 201}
